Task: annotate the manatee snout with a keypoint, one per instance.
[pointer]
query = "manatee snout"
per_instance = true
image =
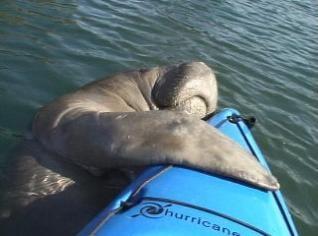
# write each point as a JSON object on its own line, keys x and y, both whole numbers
{"x": 189, "y": 87}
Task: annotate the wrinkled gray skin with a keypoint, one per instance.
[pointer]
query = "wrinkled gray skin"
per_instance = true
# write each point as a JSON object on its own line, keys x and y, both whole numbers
{"x": 107, "y": 128}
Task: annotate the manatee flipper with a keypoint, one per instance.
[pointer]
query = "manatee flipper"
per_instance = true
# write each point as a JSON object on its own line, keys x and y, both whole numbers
{"x": 96, "y": 127}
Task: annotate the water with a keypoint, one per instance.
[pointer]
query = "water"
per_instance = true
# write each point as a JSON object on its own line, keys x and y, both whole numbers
{"x": 265, "y": 55}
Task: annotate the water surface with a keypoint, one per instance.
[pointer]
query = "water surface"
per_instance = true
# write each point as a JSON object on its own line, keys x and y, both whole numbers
{"x": 265, "y": 55}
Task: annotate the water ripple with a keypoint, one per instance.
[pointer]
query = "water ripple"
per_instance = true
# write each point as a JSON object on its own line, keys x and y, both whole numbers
{"x": 264, "y": 53}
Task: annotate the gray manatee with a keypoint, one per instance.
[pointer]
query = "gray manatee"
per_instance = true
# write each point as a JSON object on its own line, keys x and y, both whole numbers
{"x": 112, "y": 128}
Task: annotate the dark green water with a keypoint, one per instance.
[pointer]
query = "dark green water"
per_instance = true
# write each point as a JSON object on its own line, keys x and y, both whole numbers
{"x": 265, "y": 55}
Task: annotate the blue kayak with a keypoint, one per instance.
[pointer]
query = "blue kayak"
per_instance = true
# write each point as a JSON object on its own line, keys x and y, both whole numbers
{"x": 169, "y": 200}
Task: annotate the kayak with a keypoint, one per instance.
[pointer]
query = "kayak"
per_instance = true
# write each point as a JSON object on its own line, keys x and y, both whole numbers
{"x": 171, "y": 200}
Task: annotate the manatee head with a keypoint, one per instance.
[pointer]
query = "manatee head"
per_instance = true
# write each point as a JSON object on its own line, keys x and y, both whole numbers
{"x": 189, "y": 87}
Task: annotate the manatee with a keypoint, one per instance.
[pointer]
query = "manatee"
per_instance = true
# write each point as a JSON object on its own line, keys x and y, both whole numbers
{"x": 86, "y": 145}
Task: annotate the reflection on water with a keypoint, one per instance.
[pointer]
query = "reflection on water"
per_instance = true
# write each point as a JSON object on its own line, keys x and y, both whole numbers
{"x": 264, "y": 54}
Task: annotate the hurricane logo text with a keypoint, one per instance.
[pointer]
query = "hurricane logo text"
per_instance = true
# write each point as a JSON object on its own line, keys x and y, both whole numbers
{"x": 152, "y": 210}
